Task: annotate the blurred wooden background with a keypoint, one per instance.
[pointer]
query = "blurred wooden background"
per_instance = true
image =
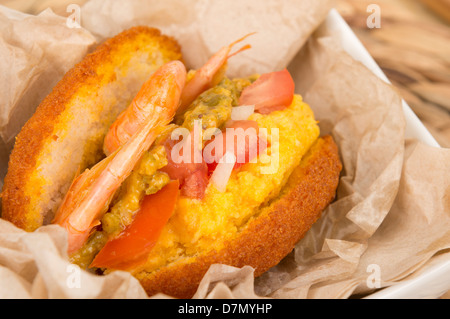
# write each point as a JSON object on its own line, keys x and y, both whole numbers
{"x": 412, "y": 46}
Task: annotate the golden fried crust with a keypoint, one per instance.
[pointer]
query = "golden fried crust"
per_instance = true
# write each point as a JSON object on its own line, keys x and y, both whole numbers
{"x": 269, "y": 237}
{"x": 31, "y": 140}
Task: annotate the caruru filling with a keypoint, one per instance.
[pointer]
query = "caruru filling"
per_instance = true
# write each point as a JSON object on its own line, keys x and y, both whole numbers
{"x": 199, "y": 225}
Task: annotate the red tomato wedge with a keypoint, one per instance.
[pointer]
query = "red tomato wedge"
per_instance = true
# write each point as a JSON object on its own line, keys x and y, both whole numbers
{"x": 241, "y": 138}
{"x": 191, "y": 172}
{"x": 131, "y": 247}
{"x": 194, "y": 185}
{"x": 271, "y": 92}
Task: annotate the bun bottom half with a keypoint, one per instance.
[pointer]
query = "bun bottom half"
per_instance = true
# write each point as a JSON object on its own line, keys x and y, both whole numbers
{"x": 269, "y": 236}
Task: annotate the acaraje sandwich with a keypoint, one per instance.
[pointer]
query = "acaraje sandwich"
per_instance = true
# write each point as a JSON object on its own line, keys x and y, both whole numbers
{"x": 162, "y": 171}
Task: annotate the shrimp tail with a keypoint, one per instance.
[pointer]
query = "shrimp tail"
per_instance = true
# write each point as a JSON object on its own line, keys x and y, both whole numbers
{"x": 209, "y": 74}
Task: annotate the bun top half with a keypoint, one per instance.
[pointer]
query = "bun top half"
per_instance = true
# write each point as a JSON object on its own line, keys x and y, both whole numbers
{"x": 65, "y": 135}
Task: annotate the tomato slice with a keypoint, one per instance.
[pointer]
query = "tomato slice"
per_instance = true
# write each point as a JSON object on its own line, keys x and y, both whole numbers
{"x": 240, "y": 138}
{"x": 195, "y": 184}
{"x": 132, "y": 245}
{"x": 271, "y": 92}
{"x": 191, "y": 172}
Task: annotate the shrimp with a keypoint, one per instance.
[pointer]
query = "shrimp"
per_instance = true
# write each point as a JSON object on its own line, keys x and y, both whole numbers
{"x": 131, "y": 119}
{"x": 159, "y": 88}
{"x": 209, "y": 74}
{"x": 89, "y": 195}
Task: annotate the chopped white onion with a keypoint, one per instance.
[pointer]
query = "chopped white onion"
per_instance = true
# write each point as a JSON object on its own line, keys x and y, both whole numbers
{"x": 223, "y": 170}
{"x": 242, "y": 113}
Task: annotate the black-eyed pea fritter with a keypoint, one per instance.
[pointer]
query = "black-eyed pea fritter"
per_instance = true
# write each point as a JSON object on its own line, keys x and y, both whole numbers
{"x": 162, "y": 171}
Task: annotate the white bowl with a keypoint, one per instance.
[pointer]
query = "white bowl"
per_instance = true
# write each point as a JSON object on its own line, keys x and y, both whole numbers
{"x": 435, "y": 281}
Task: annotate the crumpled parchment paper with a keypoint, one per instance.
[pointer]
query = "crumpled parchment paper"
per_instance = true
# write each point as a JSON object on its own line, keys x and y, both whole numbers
{"x": 391, "y": 213}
